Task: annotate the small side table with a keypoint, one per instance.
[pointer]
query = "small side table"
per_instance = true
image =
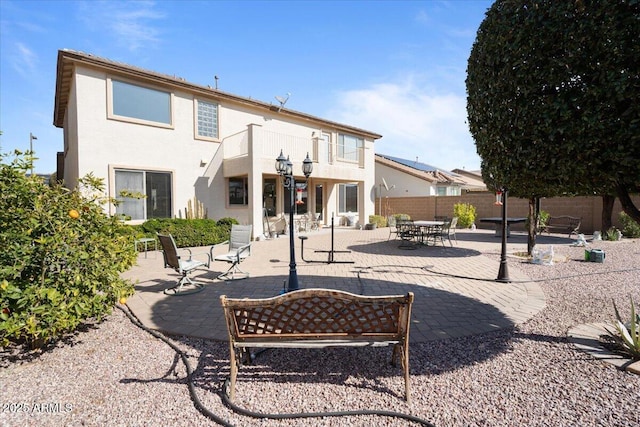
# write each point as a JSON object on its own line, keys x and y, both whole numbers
{"x": 146, "y": 242}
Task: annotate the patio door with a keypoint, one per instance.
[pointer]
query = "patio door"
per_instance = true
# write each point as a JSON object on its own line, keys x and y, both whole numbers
{"x": 319, "y": 201}
{"x": 269, "y": 196}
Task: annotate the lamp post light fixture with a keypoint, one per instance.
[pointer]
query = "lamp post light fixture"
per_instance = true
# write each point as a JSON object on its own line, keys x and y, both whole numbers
{"x": 31, "y": 138}
{"x": 503, "y": 273}
{"x": 284, "y": 167}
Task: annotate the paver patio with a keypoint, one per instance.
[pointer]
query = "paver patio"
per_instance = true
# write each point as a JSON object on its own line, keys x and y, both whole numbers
{"x": 465, "y": 299}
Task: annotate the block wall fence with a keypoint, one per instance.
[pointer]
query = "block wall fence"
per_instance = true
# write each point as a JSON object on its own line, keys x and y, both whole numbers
{"x": 426, "y": 208}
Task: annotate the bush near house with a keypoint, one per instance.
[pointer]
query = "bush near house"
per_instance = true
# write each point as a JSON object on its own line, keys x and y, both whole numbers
{"x": 379, "y": 220}
{"x": 188, "y": 232}
{"x": 61, "y": 256}
{"x": 466, "y": 214}
{"x": 630, "y": 228}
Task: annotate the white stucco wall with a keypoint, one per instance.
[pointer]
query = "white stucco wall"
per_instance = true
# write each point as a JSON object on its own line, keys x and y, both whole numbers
{"x": 101, "y": 144}
{"x": 405, "y": 185}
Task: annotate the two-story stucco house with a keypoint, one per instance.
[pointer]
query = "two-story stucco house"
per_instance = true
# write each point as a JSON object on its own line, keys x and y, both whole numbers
{"x": 172, "y": 140}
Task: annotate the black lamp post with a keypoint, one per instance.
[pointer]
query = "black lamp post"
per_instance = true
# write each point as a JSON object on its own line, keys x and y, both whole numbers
{"x": 503, "y": 273}
{"x": 284, "y": 167}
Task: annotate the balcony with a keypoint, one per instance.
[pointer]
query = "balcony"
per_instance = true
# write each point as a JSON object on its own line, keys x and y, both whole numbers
{"x": 266, "y": 146}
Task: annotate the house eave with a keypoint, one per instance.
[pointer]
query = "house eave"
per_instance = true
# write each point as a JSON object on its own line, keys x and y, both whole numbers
{"x": 68, "y": 59}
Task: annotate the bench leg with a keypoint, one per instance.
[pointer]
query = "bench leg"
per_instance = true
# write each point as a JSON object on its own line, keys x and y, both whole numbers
{"x": 233, "y": 359}
{"x": 401, "y": 351}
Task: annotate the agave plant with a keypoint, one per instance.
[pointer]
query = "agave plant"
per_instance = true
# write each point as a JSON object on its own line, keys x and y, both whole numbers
{"x": 628, "y": 336}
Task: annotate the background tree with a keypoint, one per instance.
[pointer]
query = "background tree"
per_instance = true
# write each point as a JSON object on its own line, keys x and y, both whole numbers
{"x": 554, "y": 98}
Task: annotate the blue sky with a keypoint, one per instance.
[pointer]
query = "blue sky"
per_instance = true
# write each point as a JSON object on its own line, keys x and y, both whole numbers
{"x": 396, "y": 68}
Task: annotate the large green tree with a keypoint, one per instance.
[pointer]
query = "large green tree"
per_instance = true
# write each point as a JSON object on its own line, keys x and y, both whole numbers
{"x": 554, "y": 98}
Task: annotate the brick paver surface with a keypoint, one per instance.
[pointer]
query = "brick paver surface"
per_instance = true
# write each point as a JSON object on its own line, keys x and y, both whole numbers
{"x": 455, "y": 289}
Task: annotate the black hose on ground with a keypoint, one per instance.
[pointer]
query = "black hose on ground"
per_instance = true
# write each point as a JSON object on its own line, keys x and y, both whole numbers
{"x": 225, "y": 397}
{"x": 192, "y": 389}
{"x": 242, "y": 411}
{"x": 571, "y": 276}
{"x": 458, "y": 276}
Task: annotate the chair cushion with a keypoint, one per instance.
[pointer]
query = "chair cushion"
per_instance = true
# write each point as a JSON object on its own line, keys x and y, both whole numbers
{"x": 188, "y": 265}
{"x": 231, "y": 256}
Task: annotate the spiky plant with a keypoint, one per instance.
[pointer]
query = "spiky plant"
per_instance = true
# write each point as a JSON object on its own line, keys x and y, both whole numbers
{"x": 628, "y": 335}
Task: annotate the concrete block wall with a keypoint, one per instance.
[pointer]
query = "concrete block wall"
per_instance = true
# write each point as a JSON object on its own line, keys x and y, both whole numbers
{"x": 426, "y": 208}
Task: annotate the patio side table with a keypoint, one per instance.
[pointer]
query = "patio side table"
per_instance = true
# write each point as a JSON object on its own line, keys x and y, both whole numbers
{"x": 145, "y": 241}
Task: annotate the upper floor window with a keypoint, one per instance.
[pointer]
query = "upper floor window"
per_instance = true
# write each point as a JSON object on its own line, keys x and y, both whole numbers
{"x": 206, "y": 119}
{"x": 350, "y": 147}
{"x": 139, "y": 103}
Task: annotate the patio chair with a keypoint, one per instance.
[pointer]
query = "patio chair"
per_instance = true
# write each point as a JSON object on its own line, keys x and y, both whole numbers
{"x": 395, "y": 223}
{"x": 393, "y": 226}
{"x": 183, "y": 267}
{"x": 448, "y": 230}
{"x": 315, "y": 223}
{"x": 408, "y": 233}
{"x": 239, "y": 249}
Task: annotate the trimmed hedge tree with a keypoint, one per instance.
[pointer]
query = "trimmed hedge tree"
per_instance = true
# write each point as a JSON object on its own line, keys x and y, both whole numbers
{"x": 554, "y": 98}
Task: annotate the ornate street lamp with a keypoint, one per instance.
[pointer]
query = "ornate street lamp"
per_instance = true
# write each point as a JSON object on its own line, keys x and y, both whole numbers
{"x": 284, "y": 167}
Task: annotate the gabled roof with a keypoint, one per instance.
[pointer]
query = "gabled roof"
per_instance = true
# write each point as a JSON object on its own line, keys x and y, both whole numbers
{"x": 474, "y": 181}
{"x": 423, "y": 171}
{"x": 69, "y": 59}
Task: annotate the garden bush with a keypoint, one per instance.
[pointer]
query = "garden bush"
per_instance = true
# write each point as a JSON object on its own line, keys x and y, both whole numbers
{"x": 379, "y": 220}
{"x": 188, "y": 232}
{"x": 466, "y": 214}
{"x": 61, "y": 255}
{"x": 630, "y": 228}
{"x": 401, "y": 217}
{"x": 543, "y": 219}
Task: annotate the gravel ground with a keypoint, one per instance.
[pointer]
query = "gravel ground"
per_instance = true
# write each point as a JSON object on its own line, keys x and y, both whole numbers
{"x": 116, "y": 374}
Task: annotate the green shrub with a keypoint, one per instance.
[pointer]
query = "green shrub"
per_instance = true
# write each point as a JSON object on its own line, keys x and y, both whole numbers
{"x": 630, "y": 228}
{"x": 401, "y": 217}
{"x": 61, "y": 256}
{"x": 466, "y": 214}
{"x": 379, "y": 220}
{"x": 188, "y": 232}
{"x": 543, "y": 219}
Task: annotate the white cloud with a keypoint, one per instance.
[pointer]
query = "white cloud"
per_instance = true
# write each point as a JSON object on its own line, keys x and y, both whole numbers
{"x": 130, "y": 23}
{"x": 24, "y": 60}
{"x": 414, "y": 122}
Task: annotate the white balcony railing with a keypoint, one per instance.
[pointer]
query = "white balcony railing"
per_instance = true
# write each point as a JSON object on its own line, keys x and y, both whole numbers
{"x": 236, "y": 145}
{"x": 268, "y": 144}
{"x": 295, "y": 147}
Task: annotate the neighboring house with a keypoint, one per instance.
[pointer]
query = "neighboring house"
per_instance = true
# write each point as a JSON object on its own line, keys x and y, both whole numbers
{"x": 172, "y": 140}
{"x": 473, "y": 179}
{"x": 410, "y": 178}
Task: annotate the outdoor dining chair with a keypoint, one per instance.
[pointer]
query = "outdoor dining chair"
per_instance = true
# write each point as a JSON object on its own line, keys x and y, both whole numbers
{"x": 448, "y": 230}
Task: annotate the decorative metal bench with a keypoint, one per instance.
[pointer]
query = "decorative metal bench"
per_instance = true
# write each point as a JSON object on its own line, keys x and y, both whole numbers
{"x": 564, "y": 224}
{"x": 318, "y": 318}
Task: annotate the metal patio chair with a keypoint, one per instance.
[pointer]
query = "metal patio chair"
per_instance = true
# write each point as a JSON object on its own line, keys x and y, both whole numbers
{"x": 182, "y": 266}
{"x": 239, "y": 249}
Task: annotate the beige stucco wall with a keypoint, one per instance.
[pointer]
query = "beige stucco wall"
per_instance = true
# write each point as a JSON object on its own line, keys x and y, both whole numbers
{"x": 253, "y": 138}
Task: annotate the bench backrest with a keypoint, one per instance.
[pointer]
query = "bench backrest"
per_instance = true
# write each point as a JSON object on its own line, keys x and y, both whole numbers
{"x": 318, "y": 314}
{"x": 564, "y": 220}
